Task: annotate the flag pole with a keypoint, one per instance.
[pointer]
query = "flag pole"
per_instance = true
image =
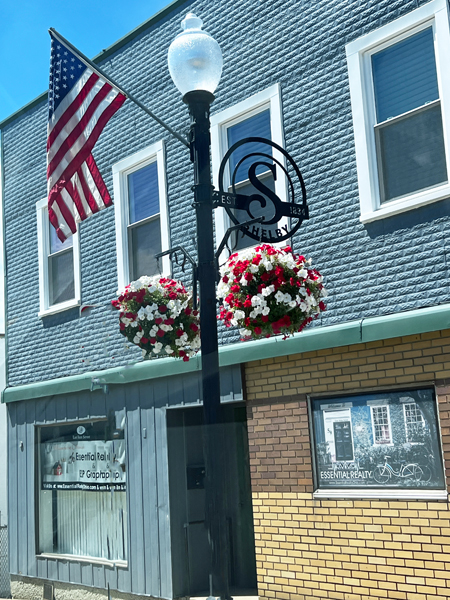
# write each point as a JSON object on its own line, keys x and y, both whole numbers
{"x": 100, "y": 72}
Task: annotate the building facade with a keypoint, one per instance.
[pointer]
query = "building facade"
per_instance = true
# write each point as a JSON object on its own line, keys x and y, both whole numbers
{"x": 338, "y": 437}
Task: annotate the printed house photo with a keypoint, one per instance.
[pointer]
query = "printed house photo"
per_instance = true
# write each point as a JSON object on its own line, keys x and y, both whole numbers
{"x": 378, "y": 440}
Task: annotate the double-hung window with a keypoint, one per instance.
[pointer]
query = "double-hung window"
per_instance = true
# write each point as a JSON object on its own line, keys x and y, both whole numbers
{"x": 141, "y": 214}
{"x": 400, "y": 94}
{"x": 381, "y": 425}
{"x": 59, "y": 266}
{"x": 414, "y": 423}
{"x": 258, "y": 116}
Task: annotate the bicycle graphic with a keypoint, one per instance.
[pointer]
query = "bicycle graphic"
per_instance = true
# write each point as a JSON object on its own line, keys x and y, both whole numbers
{"x": 413, "y": 471}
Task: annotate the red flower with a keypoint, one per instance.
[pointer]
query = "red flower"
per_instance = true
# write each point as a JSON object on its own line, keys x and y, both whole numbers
{"x": 169, "y": 321}
{"x": 179, "y": 332}
{"x": 152, "y": 340}
{"x": 162, "y": 309}
{"x": 144, "y": 340}
{"x": 258, "y": 330}
{"x": 265, "y": 277}
{"x": 158, "y": 321}
{"x": 235, "y": 288}
{"x": 322, "y": 305}
{"x": 122, "y": 326}
{"x": 185, "y": 358}
{"x": 264, "y": 318}
{"x": 160, "y": 333}
{"x": 193, "y": 326}
{"x": 225, "y": 279}
{"x": 187, "y": 311}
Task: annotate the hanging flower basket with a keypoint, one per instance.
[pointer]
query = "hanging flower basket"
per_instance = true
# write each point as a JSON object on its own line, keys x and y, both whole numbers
{"x": 268, "y": 291}
{"x": 156, "y": 314}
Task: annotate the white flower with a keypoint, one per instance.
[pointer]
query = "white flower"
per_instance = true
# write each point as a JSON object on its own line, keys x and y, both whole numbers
{"x": 302, "y": 273}
{"x": 292, "y": 303}
{"x": 266, "y": 291}
{"x": 168, "y": 350}
{"x": 142, "y": 313}
{"x": 265, "y": 310}
{"x": 166, "y": 327}
{"x": 239, "y": 314}
{"x": 157, "y": 347}
{"x": 245, "y": 332}
{"x": 279, "y": 296}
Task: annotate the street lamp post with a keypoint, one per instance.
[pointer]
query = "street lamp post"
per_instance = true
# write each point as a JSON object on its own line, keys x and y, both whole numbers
{"x": 195, "y": 64}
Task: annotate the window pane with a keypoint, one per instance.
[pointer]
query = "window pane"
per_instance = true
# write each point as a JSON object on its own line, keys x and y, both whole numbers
{"x": 411, "y": 154}
{"x": 363, "y": 441}
{"x": 61, "y": 277}
{"x": 404, "y": 75}
{"x": 256, "y": 126}
{"x": 143, "y": 193}
{"x": 145, "y": 243}
{"x": 381, "y": 431}
{"x": 55, "y": 243}
{"x": 82, "y": 491}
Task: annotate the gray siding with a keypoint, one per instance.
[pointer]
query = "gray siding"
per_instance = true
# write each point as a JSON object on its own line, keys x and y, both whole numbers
{"x": 149, "y": 553}
{"x": 299, "y": 44}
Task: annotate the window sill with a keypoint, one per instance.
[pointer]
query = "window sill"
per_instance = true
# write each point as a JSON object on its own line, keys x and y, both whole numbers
{"x": 123, "y": 564}
{"x": 394, "y": 494}
{"x": 401, "y": 205}
{"x": 57, "y": 308}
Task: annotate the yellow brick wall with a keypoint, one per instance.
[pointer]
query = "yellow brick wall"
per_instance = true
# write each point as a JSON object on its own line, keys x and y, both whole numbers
{"x": 342, "y": 549}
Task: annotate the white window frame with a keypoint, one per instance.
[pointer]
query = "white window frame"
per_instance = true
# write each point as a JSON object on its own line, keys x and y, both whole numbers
{"x": 406, "y": 422}
{"x": 270, "y": 98}
{"x": 330, "y": 417}
{"x": 120, "y": 170}
{"x": 45, "y": 308}
{"x": 359, "y": 53}
{"x": 381, "y": 444}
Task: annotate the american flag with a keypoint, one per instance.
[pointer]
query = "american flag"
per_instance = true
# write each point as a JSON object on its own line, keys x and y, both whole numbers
{"x": 80, "y": 102}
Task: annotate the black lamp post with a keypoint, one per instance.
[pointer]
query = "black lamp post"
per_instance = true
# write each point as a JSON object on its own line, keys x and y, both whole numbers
{"x": 195, "y": 64}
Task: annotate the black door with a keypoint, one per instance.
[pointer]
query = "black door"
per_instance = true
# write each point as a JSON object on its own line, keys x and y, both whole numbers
{"x": 343, "y": 440}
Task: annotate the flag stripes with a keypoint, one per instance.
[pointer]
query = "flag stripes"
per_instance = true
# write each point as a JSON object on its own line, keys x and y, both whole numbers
{"x": 81, "y": 102}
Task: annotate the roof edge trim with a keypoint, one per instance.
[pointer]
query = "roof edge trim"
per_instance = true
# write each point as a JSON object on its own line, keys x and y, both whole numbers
{"x": 361, "y": 331}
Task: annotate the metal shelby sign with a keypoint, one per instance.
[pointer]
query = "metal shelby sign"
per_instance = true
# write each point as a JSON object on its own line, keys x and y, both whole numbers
{"x": 279, "y": 220}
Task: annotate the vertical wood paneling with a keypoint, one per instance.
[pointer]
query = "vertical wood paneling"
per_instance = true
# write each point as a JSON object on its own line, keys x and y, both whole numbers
{"x": 21, "y": 500}
{"x": 99, "y": 576}
{"x": 162, "y": 482}
{"x": 63, "y": 570}
{"x": 30, "y": 447}
{"x": 135, "y": 508}
{"x": 149, "y": 535}
{"x": 42, "y": 568}
{"x": 87, "y": 577}
{"x": 52, "y": 569}
{"x": 150, "y": 495}
{"x": 13, "y": 482}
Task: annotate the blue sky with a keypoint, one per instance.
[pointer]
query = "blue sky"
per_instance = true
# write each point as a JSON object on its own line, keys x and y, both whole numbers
{"x": 90, "y": 25}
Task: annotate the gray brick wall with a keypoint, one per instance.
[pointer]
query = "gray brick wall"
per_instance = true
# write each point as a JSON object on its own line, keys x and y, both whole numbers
{"x": 393, "y": 265}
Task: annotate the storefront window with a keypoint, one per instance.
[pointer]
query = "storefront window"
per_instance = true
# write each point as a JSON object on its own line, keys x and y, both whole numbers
{"x": 82, "y": 490}
{"x": 386, "y": 440}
